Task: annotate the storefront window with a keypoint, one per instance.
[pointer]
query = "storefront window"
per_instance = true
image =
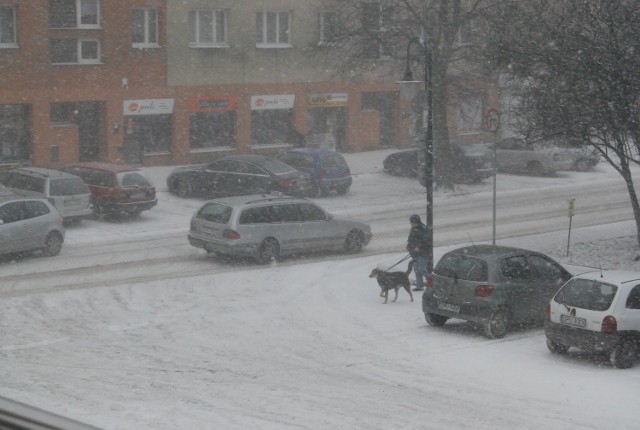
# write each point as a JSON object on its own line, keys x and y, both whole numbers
{"x": 212, "y": 130}
{"x": 271, "y": 127}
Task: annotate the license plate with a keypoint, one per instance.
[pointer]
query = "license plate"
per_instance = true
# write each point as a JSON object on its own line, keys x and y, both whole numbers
{"x": 573, "y": 321}
{"x": 449, "y": 307}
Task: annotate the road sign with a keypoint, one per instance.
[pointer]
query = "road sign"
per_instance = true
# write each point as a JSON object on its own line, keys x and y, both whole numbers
{"x": 493, "y": 120}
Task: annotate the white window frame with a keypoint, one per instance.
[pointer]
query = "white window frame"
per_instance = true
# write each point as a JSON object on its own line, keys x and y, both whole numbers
{"x": 263, "y": 15}
{"x": 147, "y": 28}
{"x": 80, "y": 58}
{"x": 79, "y": 5}
{"x": 13, "y": 43}
{"x": 213, "y": 43}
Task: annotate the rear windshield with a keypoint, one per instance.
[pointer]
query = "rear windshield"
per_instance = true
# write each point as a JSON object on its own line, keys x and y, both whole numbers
{"x": 586, "y": 294}
{"x": 133, "y": 179}
{"x": 297, "y": 160}
{"x": 215, "y": 212}
{"x": 68, "y": 187}
{"x": 462, "y": 267}
{"x": 276, "y": 166}
{"x": 335, "y": 160}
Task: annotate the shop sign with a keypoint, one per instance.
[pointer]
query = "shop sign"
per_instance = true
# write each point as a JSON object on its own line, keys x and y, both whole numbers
{"x": 213, "y": 104}
{"x": 148, "y": 107}
{"x": 284, "y": 101}
{"x": 328, "y": 100}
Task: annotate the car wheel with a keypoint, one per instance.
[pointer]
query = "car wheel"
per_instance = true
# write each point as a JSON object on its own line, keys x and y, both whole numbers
{"x": 624, "y": 354}
{"x": 353, "y": 242}
{"x": 435, "y": 320}
{"x": 269, "y": 251}
{"x": 557, "y": 348}
{"x": 535, "y": 168}
{"x": 182, "y": 188}
{"x": 582, "y": 165}
{"x": 497, "y": 325}
{"x": 52, "y": 244}
{"x": 342, "y": 190}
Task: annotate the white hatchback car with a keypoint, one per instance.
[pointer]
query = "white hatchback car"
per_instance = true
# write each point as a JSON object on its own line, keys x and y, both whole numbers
{"x": 598, "y": 311}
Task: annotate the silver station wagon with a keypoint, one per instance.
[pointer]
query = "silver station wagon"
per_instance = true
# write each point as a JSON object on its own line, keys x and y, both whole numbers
{"x": 267, "y": 226}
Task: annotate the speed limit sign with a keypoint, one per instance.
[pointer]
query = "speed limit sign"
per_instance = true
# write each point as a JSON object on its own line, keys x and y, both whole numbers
{"x": 493, "y": 120}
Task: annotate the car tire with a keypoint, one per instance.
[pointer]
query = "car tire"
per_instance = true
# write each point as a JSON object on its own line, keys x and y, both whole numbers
{"x": 182, "y": 188}
{"x": 535, "y": 168}
{"x": 353, "y": 242}
{"x": 435, "y": 320}
{"x": 52, "y": 244}
{"x": 342, "y": 190}
{"x": 268, "y": 251}
{"x": 624, "y": 354}
{"x": 582, "y": 165}
{"x": 498, "y": 325}
{"x": 556, "y": 348}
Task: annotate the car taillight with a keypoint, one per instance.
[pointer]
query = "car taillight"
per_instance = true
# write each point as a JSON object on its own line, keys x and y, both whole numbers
{"x": 484, "y": 290}
{"x": 609, "y": 325}
{"x": 429, "y": 282}
{"x": 284, "y": 183}
{"x": 231, "y": 234}
{"x": 323, "y": 173}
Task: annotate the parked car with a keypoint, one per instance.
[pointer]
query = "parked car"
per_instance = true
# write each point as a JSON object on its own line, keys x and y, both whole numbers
{"x": 268, "y": 226}
{"x": 239, "y": 175}
{"x": 584, "y": 157}
{"x": 517, "y": 155}
{"x": 16, "y": 415}
{"x": 68, "y": 193}
{"x": 29, "y": 224}
{"x": 116, "y": 189}
{"x": 328, "y": 168}
{"x": 471, "y": 164}
{"x": 493, "y": 286}
{"x": 597, "y": 311}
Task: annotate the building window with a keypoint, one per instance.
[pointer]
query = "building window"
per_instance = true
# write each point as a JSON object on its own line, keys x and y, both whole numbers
{"x": 144, "y": 28}
{"x": 75, "y": 51}
{"x": 63, "y": 114}
{"x": 328, "y": 28}
{"x": 273, "y": 30}
{"x": 7, "y": 27}
{"x": 74, "y": 13}
{"x": 208, "y": 29}
{"x": 376, "y": 18}
{"x": 470, "y": 116}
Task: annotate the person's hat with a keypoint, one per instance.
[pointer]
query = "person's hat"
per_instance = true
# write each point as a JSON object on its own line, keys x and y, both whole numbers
{"x": 415, "y": 219}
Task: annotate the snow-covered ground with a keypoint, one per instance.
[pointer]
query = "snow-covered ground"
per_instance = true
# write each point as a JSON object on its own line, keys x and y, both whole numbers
{"x": 302, "y": 344}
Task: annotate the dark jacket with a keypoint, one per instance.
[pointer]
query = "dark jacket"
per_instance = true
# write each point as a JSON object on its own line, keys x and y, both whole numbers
{"x": 417, "y": 242}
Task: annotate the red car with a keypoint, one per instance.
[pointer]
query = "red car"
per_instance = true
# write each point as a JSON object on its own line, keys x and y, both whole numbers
{"x": 116, "y": 189}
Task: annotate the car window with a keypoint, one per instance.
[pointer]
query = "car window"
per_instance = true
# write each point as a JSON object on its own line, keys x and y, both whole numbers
{"x": 25, "y": 182}
{"x": 34, "y": 209}
{"x": 297, "y": 160}
{"x": 285, "y": 213}
{"x": 67, "y": 187}
{"x": 515, "y": 267}
{"x": 276, "y": 166}
{"x": 544, "y": 268}
{"x": 133, "y": 179}
{"x": 586, "y": 294}
{"x": 334, "y": 160}
{"x": 92, "y": 177}
{"x": 257, "y": 215}
{"x": 12, "y": 212}
{"x": 633, "y": 300}
{"x": 254, "y": 170}
{"x": 215, "y": 212}
{"x": 462, "y": 267}
{"x": 223, "y": 166}
{"x": 310, "y": 212}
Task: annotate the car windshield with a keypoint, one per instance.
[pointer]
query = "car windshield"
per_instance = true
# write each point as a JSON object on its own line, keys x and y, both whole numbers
{"x": 133, "y": 179}
{"x": 462, "y": 267}
{"x": 587, "y": 294}
{"x": 215, "y": 212}
{"x": 68, "y": 187}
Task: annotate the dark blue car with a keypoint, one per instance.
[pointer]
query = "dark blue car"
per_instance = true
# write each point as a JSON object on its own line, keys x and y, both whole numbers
{"x": 328, "y": 168}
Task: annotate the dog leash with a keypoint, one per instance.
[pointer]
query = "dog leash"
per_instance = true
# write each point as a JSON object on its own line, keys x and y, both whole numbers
{"x": 404, "y": 258}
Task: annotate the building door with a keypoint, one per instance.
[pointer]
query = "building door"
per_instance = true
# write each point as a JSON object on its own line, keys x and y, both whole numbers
{"x": 15, "y": 133}
{"x": 383, "y": 103}
{"x": 88, "y": 130}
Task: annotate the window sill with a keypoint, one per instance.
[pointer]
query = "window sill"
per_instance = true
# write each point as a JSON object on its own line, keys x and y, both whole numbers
{"x": 99, "y": 63}
{"x": 9, "y": 46}
{"x": 211, "y": 149}
{"x": 271, "y": 146}
{"x": 209, "y": 46}
{"x": 273, "y": 45}
{"x": 145, "y": 45}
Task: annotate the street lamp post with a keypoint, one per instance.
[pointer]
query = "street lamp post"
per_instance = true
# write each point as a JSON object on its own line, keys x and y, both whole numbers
{"x": 406, "y": 84}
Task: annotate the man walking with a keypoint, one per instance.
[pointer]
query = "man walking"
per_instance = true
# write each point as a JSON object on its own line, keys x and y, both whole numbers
{"x": 417, "y": 247}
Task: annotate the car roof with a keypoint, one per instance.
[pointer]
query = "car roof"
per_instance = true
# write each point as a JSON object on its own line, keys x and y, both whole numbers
{"x": 492, "y": 251}
{"x": 44, "y": 172}
{"x": 611, "y": 276}
{"x": 110, "y": 167}
{"x": 14, "y": 197}
{"x": 254, "y": 158}
{"x": 254, "y": 198}
{"x": 314, "y": 151}
{"x": 22, "y": 415}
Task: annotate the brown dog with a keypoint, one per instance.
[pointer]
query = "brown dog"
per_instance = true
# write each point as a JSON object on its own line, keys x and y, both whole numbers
{"x": 392, "y": 281}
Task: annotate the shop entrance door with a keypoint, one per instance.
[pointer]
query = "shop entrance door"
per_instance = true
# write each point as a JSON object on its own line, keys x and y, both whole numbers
{"x": 89, "y": 130}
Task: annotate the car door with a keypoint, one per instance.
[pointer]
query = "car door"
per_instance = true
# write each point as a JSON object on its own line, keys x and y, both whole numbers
{"x": 318, "y": 233}
{"x": 547, "y": 277}
{"x": 519, "y": 293}
{"x": 630, "y": 313}
{"x": 15, "y": 234}
{"x": 220, "y": 178}
{"x": 256, "y": 180}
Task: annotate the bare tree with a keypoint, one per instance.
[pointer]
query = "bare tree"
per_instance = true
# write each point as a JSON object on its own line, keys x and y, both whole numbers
{"x": 576, "y": 65}
{"x": 370, "y": 33}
